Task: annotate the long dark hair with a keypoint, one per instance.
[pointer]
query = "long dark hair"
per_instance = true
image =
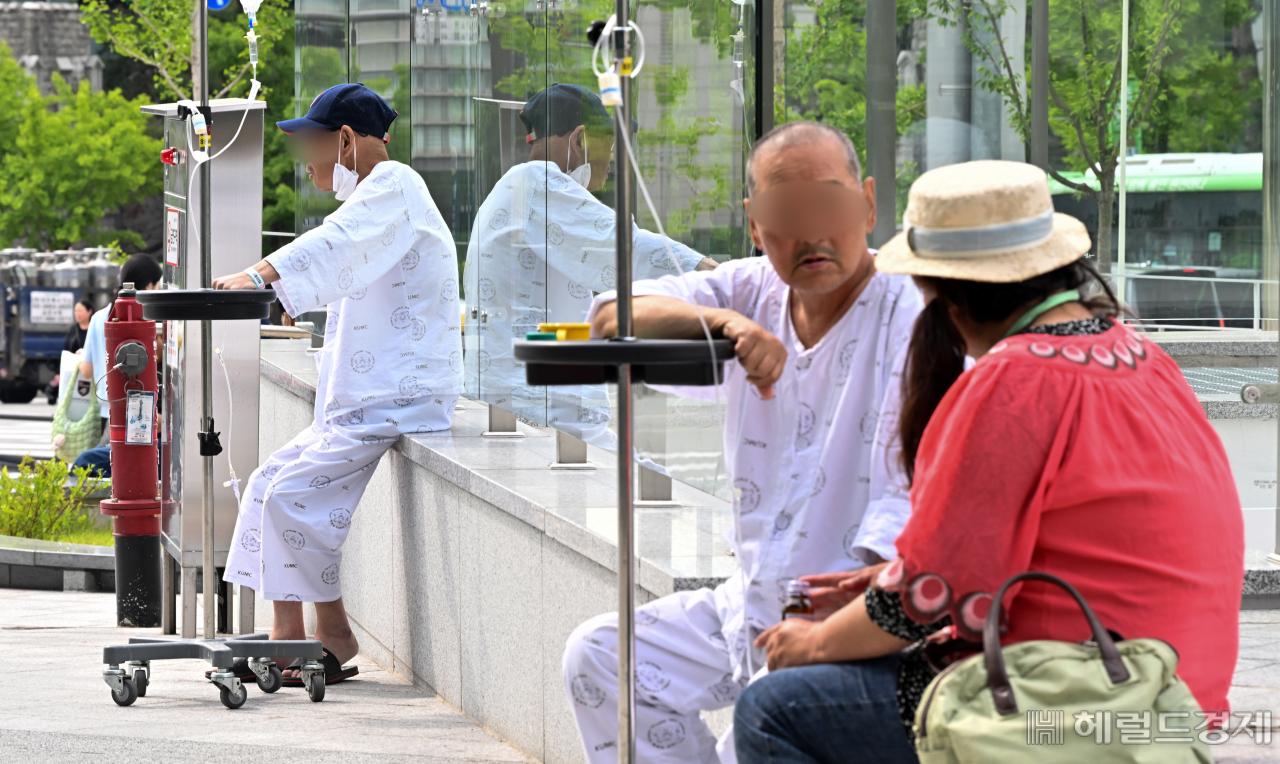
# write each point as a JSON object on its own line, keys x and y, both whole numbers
{"x": 935, "y": 358}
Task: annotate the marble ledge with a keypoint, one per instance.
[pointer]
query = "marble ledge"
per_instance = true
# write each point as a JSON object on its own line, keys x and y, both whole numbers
{"x": 1218, "y": 349}
{"x": 288, "y": 364}
{"x": 1231, "y": 407}
{"x": 55, "y": 554}
{"x": 1261, "y": 576}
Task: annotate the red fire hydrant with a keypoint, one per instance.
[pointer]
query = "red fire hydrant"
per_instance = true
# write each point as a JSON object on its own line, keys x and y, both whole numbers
{"x": 132, "y": 387}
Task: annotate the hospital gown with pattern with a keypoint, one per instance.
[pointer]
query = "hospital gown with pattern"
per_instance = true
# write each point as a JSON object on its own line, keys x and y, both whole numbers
{"x": 817, "y": 489}
{"x": 385, "y": 265}
{"x": 542, "y": 246}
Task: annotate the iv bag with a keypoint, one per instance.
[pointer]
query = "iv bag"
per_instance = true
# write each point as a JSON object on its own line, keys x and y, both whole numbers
{"x": 251, "y": 6}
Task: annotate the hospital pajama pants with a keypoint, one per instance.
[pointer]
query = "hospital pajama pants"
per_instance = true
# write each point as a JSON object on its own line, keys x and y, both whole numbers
{"x": 296, "y": 508}
{"x": 682, "y": 667}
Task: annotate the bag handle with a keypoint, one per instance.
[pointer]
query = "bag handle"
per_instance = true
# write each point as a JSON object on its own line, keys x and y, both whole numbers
{"x": 993, "y": 655}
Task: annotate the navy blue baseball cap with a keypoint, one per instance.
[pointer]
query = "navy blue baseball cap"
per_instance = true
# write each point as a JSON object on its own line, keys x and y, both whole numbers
{"x": 355, "y": 106}
{"x": 561, "y": 108}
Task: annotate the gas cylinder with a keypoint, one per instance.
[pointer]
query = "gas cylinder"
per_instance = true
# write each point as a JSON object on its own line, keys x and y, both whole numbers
{"x": 132, "y": 385}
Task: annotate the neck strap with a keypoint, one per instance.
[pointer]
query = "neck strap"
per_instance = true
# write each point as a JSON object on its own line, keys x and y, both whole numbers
{"x": 1050, "y": 302}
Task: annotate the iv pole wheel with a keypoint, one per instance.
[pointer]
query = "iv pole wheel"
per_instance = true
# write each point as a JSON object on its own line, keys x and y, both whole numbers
{"x": 273, "y": 682}
{"x": 127, "y": 695}
{"x": 315, "y": 688}
{"x": 140, "y": 681}
{"x": 233, "y": 700}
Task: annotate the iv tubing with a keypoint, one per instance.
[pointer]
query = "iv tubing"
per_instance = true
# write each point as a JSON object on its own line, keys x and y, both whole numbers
{"x": 234, "y": 482}
{"x": 605, "y": 34}
{"x": 200, "y": 162}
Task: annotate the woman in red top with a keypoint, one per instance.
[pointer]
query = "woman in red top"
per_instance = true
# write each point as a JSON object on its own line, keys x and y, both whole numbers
{"x": 1073, "y": 446}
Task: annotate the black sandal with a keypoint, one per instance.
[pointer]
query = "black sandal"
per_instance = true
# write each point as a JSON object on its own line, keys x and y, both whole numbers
{"x": 334, "y": 672}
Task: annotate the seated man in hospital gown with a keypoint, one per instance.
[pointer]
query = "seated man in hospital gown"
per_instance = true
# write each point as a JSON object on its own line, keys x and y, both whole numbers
{"x": 818, "y": 335}
{"x": 541, "y": 246}
{"x": 385, "y": 266}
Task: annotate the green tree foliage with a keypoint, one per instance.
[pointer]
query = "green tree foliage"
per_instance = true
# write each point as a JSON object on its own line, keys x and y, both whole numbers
{"x": 825, "y": 76}
{"x": 67, "y": 159}
{"x": 158, "y": 33}
{"x": 553, "y": 44}
{"x": 276, "y": 73}
{"x": 826, "y": 72}
{"x": 155, "y": 32}
{"x": 1186, "y": 90}
{"x": 555, "y": 50}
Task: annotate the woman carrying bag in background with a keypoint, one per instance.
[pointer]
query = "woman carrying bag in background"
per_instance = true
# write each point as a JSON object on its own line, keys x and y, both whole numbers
{"x": 1072, "y": 448}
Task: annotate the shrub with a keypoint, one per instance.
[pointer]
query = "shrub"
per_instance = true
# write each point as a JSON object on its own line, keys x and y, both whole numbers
{"x": 37, "y": 503}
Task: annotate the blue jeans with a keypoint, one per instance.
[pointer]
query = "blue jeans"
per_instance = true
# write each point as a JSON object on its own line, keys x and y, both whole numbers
{"x": 96, "y": 459}
{"x": 843, "y": 713}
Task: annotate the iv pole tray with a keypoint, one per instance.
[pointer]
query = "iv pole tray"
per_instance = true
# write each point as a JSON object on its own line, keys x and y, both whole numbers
{"x": 206, "y": 304}
{"x": 657, "y": 362}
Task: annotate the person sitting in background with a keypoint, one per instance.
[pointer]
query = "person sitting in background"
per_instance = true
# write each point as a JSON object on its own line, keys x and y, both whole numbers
{"x": 74, "y": 342}
{"x": 80, "y": 329}
{"x": 816, "y": 332}
{"x": 145, "y": 274}
{"x": 1073, "y": 447}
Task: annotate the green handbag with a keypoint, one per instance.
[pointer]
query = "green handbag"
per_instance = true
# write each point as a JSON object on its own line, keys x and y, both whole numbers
{"x": 81, "y": 434}
{"x": 1050, "y": 702}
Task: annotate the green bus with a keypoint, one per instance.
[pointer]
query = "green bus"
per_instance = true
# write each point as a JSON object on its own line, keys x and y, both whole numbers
{"x": 1187, "y": 215}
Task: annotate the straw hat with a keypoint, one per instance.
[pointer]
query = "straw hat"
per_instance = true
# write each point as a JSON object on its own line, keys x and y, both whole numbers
{"x": 983, "y": 221}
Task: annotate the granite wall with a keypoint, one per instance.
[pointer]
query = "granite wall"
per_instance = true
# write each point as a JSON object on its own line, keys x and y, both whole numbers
{"x": 458, "y": 596}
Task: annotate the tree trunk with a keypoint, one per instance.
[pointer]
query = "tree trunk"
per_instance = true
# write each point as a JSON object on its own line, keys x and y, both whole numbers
{"x": 1105, "y": 198}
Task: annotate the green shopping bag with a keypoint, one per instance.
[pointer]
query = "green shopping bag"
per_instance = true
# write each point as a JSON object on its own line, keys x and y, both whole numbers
{"x": 1051, "y": 702}
{"x": 78, "y": 434}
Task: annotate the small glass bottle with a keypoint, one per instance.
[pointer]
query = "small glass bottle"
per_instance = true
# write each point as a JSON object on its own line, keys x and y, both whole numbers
{"x": 798, "y": 603}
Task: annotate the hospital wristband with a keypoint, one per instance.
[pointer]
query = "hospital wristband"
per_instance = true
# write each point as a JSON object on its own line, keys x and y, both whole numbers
{"x": 258, "y": 281}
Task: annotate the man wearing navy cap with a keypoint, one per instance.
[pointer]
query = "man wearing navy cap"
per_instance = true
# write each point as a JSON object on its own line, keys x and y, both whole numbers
{"x": 542, "y": 245}
{"x": 385, "y": 266}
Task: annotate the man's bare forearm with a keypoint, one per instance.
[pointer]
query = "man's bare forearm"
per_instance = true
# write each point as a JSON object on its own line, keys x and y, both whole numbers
{"x": 660, "y": 317}
{"x": 267, "y": 271}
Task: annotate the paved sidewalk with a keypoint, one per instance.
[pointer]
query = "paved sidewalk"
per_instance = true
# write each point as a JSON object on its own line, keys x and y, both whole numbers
{"x": 55, "y": 708}
{"x": 1256, "y": 686}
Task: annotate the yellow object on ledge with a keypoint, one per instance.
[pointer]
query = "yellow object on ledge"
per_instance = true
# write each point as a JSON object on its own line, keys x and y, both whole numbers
{"x": 567, "y": 331}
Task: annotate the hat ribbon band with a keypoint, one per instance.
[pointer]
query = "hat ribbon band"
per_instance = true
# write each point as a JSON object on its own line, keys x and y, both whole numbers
{"x": 983, "y": 241}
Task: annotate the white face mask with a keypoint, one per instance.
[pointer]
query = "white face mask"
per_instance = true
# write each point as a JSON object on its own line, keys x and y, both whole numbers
{"x": 344, "y": 180}
{"x": 581, "y": 174}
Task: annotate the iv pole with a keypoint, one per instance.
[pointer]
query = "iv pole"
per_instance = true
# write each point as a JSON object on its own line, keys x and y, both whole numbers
{"x": 626, "y": 419}
{"x": 624, "y": 359}
{"x": 205, "y": 305}
{"x": 206, "y": 349}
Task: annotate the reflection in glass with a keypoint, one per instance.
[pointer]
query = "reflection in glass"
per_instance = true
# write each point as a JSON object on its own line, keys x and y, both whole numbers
{"x": 543, "y": 245}
{"x": 450, "y": 67}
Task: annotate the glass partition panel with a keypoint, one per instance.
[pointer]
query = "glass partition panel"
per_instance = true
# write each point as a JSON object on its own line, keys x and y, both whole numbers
{"x": 1192, "y": 217}
{"x": 380, "y": 40}
{"x": 320, "y": 29}
{"x": 505, "y": 272}
{"x": 693, "y": 104}
{"x": 542, "y": 243}
{"x": 449, "y": 69}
